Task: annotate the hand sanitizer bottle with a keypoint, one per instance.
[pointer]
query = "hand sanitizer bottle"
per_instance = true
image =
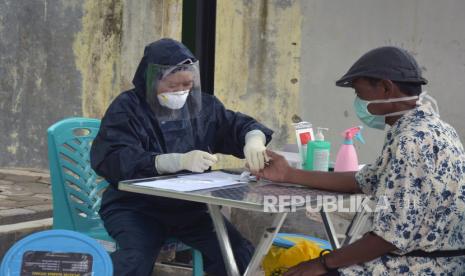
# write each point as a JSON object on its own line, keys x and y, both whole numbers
{"x": 346, "y": 159}
{"x": 318, "y": 153}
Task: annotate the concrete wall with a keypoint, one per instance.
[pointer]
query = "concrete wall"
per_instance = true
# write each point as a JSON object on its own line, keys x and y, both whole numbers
{"x": 257, "y": 67}
{"x": 39, "y": 82}
{"x": 336, "y": 33}
{"x": 62, "y": 58}
{"x": 276, "y": 59}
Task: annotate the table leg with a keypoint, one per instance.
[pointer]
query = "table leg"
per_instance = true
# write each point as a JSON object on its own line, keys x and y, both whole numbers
{"x": 223, "y": 239}
{"x": 329, "y": 228}
{"x": 359, "y": 222}
{"x": 265, "y": 243}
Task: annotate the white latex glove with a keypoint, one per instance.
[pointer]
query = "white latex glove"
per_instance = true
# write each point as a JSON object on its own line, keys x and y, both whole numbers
{"x": 255, "y": 150}
{"x": 194, "y": 161}
{"x": 197, "y": 161}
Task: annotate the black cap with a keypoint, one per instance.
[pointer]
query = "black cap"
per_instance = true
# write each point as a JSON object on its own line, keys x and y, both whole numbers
{"x": 390, "y": 63}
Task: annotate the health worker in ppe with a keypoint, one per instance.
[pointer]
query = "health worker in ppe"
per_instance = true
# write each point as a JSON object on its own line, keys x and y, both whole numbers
{"x": 166, "y": 125}
{"x": 418, "y": 180}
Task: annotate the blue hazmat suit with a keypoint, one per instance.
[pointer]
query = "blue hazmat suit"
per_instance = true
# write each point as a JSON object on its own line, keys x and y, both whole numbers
{"x": 129, "y": 138}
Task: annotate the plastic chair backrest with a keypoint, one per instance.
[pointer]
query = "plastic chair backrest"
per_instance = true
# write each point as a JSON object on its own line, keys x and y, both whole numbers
{"x": 46, "y": 251}
{"x": 76, "y": 188}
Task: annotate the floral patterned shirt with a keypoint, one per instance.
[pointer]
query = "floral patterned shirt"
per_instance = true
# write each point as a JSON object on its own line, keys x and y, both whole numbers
{"x": 421, "y": 177}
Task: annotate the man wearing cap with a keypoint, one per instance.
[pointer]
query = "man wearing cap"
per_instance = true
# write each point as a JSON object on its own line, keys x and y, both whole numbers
{"x": 420, "y": 173}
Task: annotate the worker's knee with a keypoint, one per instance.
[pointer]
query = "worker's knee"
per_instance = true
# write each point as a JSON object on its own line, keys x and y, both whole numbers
{"x": 133, "y": 261}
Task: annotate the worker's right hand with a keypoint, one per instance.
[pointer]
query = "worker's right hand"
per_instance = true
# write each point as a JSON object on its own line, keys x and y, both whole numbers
{"x": 197, "y": 161}
{"x": 194, "y": 161}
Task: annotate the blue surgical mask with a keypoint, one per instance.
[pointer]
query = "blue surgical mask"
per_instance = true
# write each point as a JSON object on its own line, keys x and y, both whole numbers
{"x": 379, "y": 121}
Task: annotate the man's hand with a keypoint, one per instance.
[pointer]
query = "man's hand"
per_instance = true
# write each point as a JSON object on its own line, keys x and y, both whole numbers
{"x": 277, "y": 169}
{"x": 309, "y": 268}
{"x": 368, "y": 248}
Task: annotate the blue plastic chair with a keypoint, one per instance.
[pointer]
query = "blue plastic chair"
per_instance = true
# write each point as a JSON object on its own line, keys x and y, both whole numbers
{"x": 76, "y": 188}
{"x": 287, "y": 240}
{"x": 59, "y": 247}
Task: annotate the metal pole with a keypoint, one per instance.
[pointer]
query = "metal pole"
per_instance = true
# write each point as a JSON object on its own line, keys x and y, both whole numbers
{"x": 359, "y": 222}
{"x": 329, "y": 228}
{"x": 223, "y": 240}
{"x": 265, "y": 243}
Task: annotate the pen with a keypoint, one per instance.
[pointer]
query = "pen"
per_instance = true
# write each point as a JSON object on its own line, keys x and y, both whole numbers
{"x": 210, "y": 151}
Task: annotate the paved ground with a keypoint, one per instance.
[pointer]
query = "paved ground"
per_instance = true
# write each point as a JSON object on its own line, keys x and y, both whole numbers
{"x": 25, "y": 204}
{"x": 25, "y": 195}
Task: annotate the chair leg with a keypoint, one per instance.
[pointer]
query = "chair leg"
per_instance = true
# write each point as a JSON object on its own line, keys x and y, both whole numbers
{"x": 197, "y": 263}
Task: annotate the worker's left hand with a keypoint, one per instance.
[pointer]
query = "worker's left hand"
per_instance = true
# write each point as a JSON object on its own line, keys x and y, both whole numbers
{"x": 278, "y": 169}
{"x": 255, "y": 150}
{"x": 309, "y": 268}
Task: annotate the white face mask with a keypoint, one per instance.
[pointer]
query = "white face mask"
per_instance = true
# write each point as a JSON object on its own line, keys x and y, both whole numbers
{"x": 173, "y": 100}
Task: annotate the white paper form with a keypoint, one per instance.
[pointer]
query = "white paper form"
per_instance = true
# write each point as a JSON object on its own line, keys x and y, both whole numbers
{"x": 194, "y": 182}
{"x": 213, "y": 176}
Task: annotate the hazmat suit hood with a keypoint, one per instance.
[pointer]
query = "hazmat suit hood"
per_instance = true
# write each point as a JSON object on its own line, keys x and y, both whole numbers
{"x": 165, "y": 51}
{"x": 158, "y": 70}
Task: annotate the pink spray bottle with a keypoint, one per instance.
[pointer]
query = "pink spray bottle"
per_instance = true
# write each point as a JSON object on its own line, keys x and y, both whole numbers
{"x": 346, "y": 159}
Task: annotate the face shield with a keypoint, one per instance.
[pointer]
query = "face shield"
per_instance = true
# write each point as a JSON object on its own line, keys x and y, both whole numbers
{"x": 173, "y": 91}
